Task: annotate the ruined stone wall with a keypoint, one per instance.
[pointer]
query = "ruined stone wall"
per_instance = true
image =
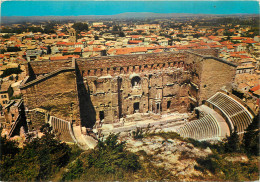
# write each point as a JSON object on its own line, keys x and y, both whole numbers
{"x": 116, "y": 65}
{"x": 208, "y": 75}
{"x": 206, "y": 52}
{"x": 194, "y": 62}
{"x": 58, "y": 95}
{"x": 115, "y": 86}
{"x": 109, "y": 64}
{"x": 44, "y": 67}
{"x": 35, "y": 116}
{"x": 158, "y": 91}
{"x": 215, "y": 75}
{"x": 113, "y": 95}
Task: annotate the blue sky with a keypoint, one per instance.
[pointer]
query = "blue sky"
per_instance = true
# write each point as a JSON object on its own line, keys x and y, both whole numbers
{"x": 75, "y": 8}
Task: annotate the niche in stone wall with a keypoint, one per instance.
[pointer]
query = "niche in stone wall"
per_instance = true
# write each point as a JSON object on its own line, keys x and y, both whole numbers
{"x": 101, "y": 115}
{"x": 168, "y": 104}
{"x": 136, "y": 107}
{"x": 136, "y": 82}
{"x": 98, "y": 85}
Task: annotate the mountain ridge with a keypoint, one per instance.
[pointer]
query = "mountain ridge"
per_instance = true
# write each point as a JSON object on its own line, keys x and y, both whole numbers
{"x": 126, "y": 15}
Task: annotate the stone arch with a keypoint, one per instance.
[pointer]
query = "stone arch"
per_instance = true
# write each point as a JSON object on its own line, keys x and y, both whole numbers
{"x": 135, "y": 80}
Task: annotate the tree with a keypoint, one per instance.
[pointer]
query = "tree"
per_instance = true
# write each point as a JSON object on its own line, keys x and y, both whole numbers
{"x": 11, "y": 77}
{"x": 10, "y": 91}
{"x": 75, "y": 171}
{"x": 109, "y": 158}
{"x": 96, "y": 37}
{"x": 121, "y": 34}
{"x": 8, "y": 147}
{"x": 13, "y": 49}
{"x": 37, "y": 161}
{"x": 233, "y": 143}
{"x": 2, "y": 51}
{"x": 79, "y": 27}
{"x": 48, "y": 49}
{"x": 116, "y": 28}
{"x": 49, "y": 28}
{"x": 252, "y": 137}
{"x": 6, "y": 36}
{"x": 111, "y": 155}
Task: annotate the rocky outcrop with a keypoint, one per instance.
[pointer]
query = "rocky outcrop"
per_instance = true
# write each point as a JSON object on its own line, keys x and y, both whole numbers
{"x": 174, "y": 155}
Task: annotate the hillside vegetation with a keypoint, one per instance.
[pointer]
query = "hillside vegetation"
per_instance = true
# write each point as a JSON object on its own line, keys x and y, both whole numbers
{"x": 143, "y": 156}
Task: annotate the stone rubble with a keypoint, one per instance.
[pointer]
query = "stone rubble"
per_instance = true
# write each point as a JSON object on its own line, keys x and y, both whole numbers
{"x": 173, "y": 155}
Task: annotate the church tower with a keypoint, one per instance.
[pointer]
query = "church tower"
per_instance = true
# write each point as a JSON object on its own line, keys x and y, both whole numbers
{"x": 72, "y": 35}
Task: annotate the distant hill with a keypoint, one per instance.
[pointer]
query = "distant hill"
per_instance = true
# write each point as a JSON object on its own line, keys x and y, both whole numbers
{"x": 128, "y": 15}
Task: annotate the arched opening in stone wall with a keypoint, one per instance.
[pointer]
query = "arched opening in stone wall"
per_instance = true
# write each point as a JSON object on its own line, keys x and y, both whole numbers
{"x": 136, "y": 81}
{"x": 101, "y": 115}
{"x": 197, "y": 114}
{"x": 192, "y": 106}
{"x": 136, "y": 107}
{"x": 168, "y": 104}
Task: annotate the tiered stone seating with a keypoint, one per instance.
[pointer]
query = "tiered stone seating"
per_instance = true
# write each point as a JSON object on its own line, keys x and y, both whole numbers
{"x": 237, "y": 115}
{"x": 63, "y": 129}
{"x": 202, "y": 129}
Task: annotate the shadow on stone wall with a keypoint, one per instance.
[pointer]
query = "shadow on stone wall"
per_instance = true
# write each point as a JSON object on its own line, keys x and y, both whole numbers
{"x": 20, "y": 123}
{"x": 31, "y": 73}
{"x": 86, "y": 108}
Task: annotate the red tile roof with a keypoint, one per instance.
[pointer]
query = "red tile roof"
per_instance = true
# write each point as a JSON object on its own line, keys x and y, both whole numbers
{"x": 136, "y": 36}
{"x": 134, "y": 41}
{"x": 54, "y": 58}
{"x": 157, "y": 50}
{"x": 78, "y": 49}
{"x": 255, "y": 88}
{"x": 249, "y": 41}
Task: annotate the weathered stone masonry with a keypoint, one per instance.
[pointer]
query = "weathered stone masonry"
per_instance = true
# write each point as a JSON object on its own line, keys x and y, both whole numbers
{"x": 109, "y": 88}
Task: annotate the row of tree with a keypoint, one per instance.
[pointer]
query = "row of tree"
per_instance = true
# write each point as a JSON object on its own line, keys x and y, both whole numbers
{"x": 49, "y": 28}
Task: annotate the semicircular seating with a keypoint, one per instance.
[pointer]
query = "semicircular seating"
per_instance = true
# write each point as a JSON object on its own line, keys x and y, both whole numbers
{"x": 62, "y": 128}
{"x": 214, "y": 126}
{"x": 238, "y": 116}
{"x": 201, "y": 129}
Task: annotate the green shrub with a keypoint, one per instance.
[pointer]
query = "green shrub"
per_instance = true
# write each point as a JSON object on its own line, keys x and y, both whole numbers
{"x": 38, "y": 160}
{"x": 199, "y": 144}
{"x": 138, "y": 134}
{"x": 108, "y": 161}
{"x": 8, "y": 148}
{"x": 75, "y": 171}
{"x": 167, "y": 135}
{"x": 111, "y": 155}
{"x": 232, "y": 143}
{"x": 252, "y": 137}
{"x": 227, "y": 170}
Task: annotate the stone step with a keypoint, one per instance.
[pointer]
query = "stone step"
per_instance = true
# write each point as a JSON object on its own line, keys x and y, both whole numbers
{"x": 79, "y": 137}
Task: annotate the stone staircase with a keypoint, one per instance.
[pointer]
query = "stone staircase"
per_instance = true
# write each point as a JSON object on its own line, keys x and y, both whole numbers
{"x": 72, "y": 133}
{"x": 85, "y": 142}
{"x": 14, "y": 126}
